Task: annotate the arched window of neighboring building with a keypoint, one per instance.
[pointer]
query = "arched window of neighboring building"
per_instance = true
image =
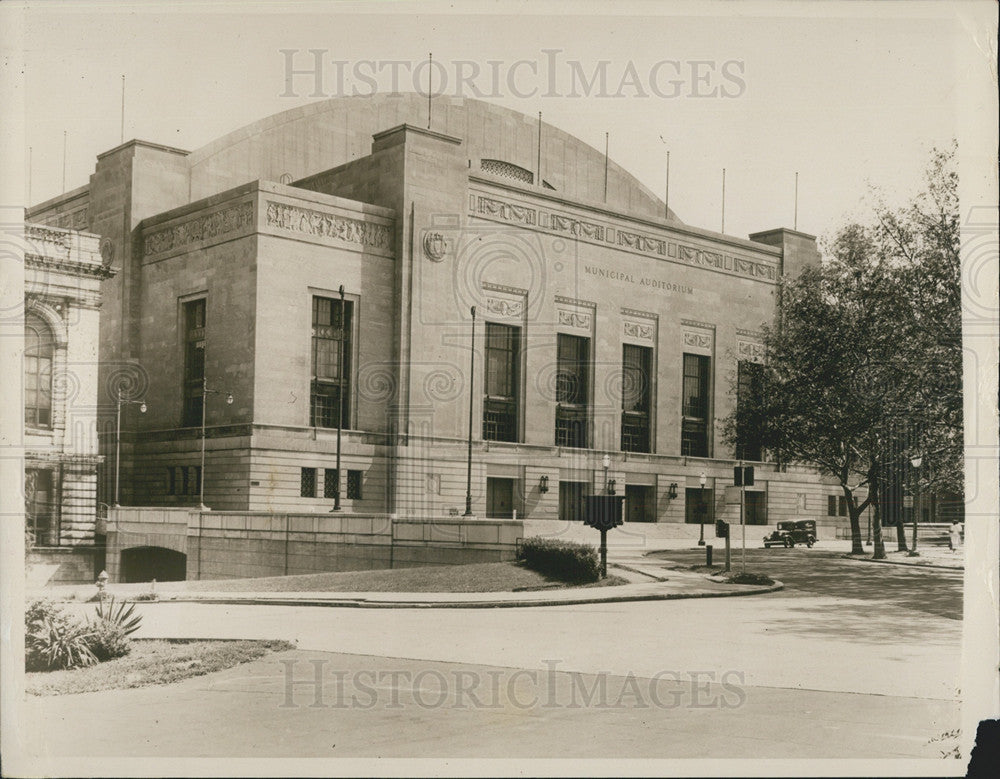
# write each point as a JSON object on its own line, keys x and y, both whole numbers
{"x": 38, "y": 351}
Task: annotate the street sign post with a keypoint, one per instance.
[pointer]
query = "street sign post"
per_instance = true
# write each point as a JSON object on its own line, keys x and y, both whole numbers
{"x": 743, "y": 478}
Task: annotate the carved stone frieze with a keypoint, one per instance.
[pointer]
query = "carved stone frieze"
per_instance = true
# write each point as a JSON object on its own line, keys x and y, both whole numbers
{"x": 325, "y": 225}
{"x": 201, "y": 228}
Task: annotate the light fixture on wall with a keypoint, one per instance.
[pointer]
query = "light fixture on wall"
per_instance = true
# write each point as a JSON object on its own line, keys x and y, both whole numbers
{"x": 543, "y": 484}
{"x": 611, "y": 487}
{"x": 672, "y": 490}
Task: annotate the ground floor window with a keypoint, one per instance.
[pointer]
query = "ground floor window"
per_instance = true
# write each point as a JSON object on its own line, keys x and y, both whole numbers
{"x": 307, "y": 483}
{"x": 354, "y": 485}
{"x": 41, "y": 506}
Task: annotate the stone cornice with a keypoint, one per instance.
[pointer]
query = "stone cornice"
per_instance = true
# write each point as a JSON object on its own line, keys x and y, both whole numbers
{"x": 71, "y": 267}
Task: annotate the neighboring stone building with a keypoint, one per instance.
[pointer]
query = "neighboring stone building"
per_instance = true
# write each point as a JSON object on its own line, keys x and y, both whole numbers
{"x": 63, "y": 275}
{"x": 603, "y": 326}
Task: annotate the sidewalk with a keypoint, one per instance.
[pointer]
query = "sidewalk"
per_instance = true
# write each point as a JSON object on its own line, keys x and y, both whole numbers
{"x": 927, "y": 557}
{"x": 647, "y": 581}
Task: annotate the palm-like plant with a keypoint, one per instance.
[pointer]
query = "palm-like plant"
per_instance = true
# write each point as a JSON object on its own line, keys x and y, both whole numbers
{"x": 121, "y": 614}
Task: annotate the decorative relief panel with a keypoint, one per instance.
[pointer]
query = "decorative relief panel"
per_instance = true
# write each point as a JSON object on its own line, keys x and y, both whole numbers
{"x": 508, "y": 212}
{"x": 642, "y": 243}
{"x": 644, "y": 331}
{"x": 577, "y": 227}
{"x": 750, "y": 350}
{"x": 325, "y": 225}
{"x": 505, "y": 308}
{"x": 698, "y": 340}
{"x": 574, "y": 319}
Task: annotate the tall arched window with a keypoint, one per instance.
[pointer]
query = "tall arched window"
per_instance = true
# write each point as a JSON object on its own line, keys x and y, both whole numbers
{"x": 38, "y": 349}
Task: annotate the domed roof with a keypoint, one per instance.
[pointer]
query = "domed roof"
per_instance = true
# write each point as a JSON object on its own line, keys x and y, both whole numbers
{"x": 312, "y": 138}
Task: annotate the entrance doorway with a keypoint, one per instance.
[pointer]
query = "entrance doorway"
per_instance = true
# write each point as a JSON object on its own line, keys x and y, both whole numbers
{"x": 756, "y": 507}
{"x": 698, "y": 506}
{"x": 571, "y": 500}
{"x": 640, "y": 503}
{"x": 145, "y": 563}
{"x": 499, "y": 498}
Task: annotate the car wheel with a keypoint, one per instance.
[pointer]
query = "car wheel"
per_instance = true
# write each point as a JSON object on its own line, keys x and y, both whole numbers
{"x": 789, "y": 543}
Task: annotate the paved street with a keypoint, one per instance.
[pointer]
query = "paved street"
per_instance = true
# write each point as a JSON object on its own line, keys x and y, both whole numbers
{"x": 850, "y": 660}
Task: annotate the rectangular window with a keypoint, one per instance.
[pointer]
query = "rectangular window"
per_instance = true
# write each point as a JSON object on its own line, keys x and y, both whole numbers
{"x": 694, "y": 426}
{"x": 354, "y": 485}
{"x": 331, "y": 362}
{"x": 194, "y": 361}
{"x": 195, "y": 480}
{"x": 636, "y": 397}
{"x": 307, "y": 485}
{"x": 330, "y": 483}
{"x": 171, "y": 481}
{"x": 502, "y": 382}
{"x": 572, "y": 390}
{"x": 749, "y": 376}
{"x": 842, "y": 506}
{"x": 831, "y": 505}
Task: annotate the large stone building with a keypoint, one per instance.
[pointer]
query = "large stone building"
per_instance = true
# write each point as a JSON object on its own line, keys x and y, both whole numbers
{"x": 63, "y": 276}
{"x": 608, "y": 334}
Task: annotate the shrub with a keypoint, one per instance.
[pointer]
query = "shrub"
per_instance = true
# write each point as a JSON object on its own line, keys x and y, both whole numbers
{"x": 52, "y": 640}
{"x": 108, "y": 640}
{"x": 565, "y": 560}
{"x": 750, "y": 578}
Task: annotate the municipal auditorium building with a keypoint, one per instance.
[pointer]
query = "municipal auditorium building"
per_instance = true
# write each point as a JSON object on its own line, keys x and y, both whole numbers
{"x": 321, "y": 266}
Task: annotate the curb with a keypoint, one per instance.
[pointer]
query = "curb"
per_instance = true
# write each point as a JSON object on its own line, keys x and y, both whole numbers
{"x": 361, "y": 603}
{"x": 905, "y": 565}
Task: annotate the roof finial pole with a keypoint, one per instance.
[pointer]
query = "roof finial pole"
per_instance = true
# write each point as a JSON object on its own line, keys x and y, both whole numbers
{"x": 666, "y": 191}
{"x": 723, "y": 200}
{"x": 538, "y": 166}
{"x": 606, "y": 167}
{"x": 430, "y": 79}
{"x": 123, "y": 108}
{"x": 795, "y": 221}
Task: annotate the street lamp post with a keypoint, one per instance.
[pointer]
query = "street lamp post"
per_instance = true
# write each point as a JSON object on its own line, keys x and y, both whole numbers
{"x": 205, "y": 392}
{"x": 915, "y": 462}
{"x": 702, "y": 479}
{"x": 118, "y": 435}
{"x": 340, "y": 400}
{"x": 472, "y": 381}
{"x": 606, "y": 462}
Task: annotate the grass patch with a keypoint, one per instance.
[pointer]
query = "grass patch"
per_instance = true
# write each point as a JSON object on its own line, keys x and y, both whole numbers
{"x": 475, "y": 577}
{"x": 152, "y": 662}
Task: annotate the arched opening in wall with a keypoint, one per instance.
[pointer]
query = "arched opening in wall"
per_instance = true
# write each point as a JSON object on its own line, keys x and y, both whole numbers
{"x": 145, "y": 563}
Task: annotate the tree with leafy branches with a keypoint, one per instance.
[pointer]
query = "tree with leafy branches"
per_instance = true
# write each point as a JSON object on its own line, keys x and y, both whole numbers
{"x": 863, "y": 363}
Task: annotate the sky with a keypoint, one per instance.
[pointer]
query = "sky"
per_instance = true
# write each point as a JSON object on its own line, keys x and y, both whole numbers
{"x": 842, "y": 94}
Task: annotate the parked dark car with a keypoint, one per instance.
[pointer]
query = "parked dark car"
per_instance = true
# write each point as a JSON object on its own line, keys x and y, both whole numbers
{"x": 789, "y": 534}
